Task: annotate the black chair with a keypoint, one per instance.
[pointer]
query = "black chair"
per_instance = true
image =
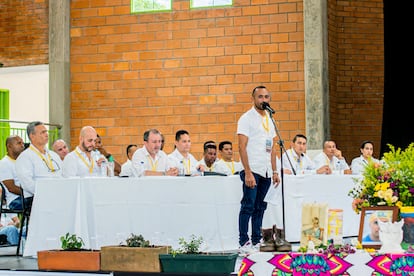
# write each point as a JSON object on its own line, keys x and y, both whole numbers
{"x": 23, "y": 214}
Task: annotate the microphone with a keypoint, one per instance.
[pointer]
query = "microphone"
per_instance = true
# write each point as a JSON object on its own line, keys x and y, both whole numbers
{"x": 267, "y": 107}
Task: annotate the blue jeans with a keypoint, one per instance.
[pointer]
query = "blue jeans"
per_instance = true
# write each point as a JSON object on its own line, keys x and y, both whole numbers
{"x": 12, "y": 234}
{"x": 252, "y": 207}
{"x": 16, "y": 204}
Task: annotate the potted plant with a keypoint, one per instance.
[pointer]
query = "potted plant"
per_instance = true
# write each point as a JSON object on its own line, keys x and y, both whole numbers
{"x": 71, "y": 256}
{"x": 189, "y": 259}
{"x": 137, "y": 255}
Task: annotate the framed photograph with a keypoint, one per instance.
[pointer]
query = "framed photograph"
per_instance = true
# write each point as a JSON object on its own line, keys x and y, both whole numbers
{"x": 368, "y": 226}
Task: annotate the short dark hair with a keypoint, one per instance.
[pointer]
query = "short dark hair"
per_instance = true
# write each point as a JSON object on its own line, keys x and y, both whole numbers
{"x": 209, "y": 143}
{"x": 366, "y": 142}
{"x": 258, "y": 87}
{"x": 129, "y": 148}
{"x": 221, "y": 145}
{"x": 179, "y": 133}
{"x": 299, "y": 136}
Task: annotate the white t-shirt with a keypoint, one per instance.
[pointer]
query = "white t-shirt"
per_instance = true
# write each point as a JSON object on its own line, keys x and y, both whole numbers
{"x": 8, "y": 171}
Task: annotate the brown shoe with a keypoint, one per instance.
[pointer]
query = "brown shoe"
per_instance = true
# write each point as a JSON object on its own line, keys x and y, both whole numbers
{"x": 282, "y": 245}
{"x": 268, "y": 244}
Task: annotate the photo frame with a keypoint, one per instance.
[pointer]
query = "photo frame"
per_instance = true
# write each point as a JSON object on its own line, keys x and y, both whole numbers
{"x": 368, "y": 226}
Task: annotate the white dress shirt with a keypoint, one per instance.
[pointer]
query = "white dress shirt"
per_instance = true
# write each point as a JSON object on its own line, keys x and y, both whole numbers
{"x": 32, "y": 165}
{"x": 189, "y": 163}
{"x": 77, "y": 163}
{"x": 358, "y": 164}
{"x": 302, "y": 164}
{"x": 260, "y": 132}
{"x": 228, "y": 168}
{"x": 142, "y": 157}
{"x": 127, "y": 169}
{"x": 335, "y": 164}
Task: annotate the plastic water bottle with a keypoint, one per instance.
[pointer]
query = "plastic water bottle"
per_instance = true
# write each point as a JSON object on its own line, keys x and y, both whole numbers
{"x": 181, "y": 171}
{"x": 111, "y": 166}
{"x": 104, "y": 169}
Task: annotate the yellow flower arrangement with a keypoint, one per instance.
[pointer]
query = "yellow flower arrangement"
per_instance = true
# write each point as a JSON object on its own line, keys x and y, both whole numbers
{"x": 388, "y": 183}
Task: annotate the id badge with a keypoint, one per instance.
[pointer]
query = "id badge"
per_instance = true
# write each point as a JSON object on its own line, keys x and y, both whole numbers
{"x": 268, "y": 145}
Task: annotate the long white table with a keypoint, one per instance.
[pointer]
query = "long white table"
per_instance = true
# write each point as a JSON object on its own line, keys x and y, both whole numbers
{"x": 105, "y": 211}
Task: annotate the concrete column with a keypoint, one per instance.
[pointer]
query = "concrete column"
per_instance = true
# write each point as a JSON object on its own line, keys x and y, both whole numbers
{"x": 316, "y": 72}
{"x": 59, "y": 67}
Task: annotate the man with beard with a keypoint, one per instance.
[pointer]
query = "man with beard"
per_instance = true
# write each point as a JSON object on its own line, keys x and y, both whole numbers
{"x": 81, "y": 161}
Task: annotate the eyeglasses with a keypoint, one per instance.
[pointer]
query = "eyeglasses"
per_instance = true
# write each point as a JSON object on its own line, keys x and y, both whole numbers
{"x": 54, "y": 166}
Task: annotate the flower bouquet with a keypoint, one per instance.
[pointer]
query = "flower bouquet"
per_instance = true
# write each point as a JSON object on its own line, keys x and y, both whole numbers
{"x": 388, "y": 183}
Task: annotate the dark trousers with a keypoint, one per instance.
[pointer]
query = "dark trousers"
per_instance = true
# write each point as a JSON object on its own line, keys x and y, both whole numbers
{"x": 252, "y": 207}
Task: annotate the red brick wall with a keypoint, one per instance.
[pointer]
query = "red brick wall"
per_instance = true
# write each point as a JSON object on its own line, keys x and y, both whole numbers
{"x": 194, "y": 69}
{"x": 185, "y": 69}
{"x": 24, "y": 35}
{"x": 356, "y": 58}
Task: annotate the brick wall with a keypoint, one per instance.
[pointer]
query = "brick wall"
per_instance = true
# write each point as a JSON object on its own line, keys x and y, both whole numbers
{"x": 24, "y": 32}
{"x": 194, "y": 69}
{"x": 185, "y": 69}
{"x": 356, "y": 67}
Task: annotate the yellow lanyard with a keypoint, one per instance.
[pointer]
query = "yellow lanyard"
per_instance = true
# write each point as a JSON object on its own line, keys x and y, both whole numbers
{"x": 232, "y": 166}
{"x": 187, "y": 166}
{"x": 153, "y": 165}
{"x": 48, "y": 162}
{"x": 265, "y": 123}
{"x": 90, "y": 167}
{"x": 328, "y": 163}
{"x": 297, "y": 159}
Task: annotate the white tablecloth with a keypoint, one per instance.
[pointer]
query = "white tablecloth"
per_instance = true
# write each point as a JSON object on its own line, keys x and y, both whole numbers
{"x": 105, "y": 211}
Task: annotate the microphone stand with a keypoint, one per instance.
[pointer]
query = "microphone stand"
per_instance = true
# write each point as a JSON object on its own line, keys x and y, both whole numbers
{"x": 282, "y": 149}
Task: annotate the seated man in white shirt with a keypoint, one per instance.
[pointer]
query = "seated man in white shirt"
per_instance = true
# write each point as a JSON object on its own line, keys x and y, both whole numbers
{"x": 37, "y": 161}
{"x": 332, "y": 157}
{"x": 82, "y": 161}
{"x": 8, "y": 176}
{"x": 181, "y": 156}
{"x": 59, "y": 146}
{"x": 209, "y": 159}
{"x": 127, "y": 169}
{"x": 226, "y": 164}
{"x": 298, "y": 158}
{"x": 150, "y": 160}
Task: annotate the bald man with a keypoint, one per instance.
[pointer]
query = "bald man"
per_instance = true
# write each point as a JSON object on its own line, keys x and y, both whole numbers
{"x": 60, "y": 147}
{"x": 81, "y": 161}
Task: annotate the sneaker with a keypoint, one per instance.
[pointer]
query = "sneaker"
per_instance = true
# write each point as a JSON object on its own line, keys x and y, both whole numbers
{"x": 246, "y": 249}
{"x": 255, "y": 248}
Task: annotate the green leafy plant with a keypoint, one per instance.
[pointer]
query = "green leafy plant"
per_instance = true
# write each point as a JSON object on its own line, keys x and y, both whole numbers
{"x": 189, "y": 247}
{"x": 71, "y": 242}
{"x": 137, "y": 241}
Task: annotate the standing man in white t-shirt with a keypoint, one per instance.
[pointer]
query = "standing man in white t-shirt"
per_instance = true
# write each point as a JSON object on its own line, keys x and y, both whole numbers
{"x": 256, "y": 134}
